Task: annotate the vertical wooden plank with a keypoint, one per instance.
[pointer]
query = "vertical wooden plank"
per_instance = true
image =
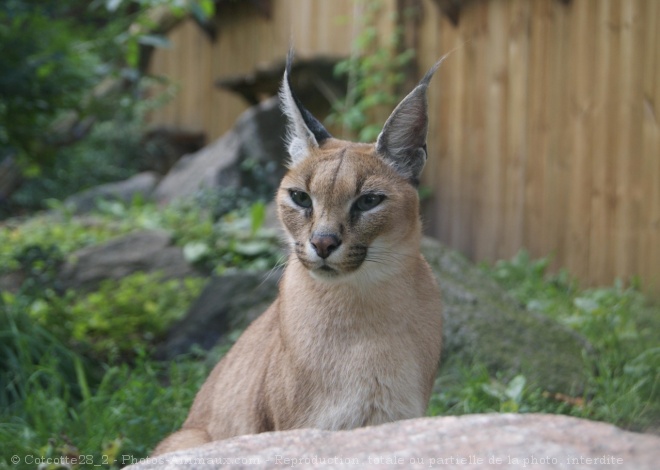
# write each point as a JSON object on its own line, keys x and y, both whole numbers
{"x": 581, "y": 67}
{"x": 654, "y": 151}
{"x": 604, "y": 204}
{"x": 557, "y": 165}
{"x": 516, "y": 138}
{"x": 449, "y": 117}
{"x": 622, "y": 157}
{"x": 598, "y": 205}
{"x": 457, "y": 112}
{"x": 493, "y": 161}
{"x": 432, "y": 40}
{"x": 538, "y": 124}
{"x": 649, "y": 253}
{"x": 473, "y": 131}
{"x": 208, "y": 87}
{"x": 188, "y": 72}
{"x": 302, "y": 26}
{"x": 629, "y": 123}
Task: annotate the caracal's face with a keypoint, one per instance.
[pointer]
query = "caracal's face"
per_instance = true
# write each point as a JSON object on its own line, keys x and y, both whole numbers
{"x": 346, "y": 210}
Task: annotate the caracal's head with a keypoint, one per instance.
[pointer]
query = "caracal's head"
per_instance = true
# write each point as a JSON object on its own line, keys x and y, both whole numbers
{"x": 349, "y": 207}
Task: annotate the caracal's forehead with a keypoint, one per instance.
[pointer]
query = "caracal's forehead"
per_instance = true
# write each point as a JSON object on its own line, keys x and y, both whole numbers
{"x": 342, "y": 168}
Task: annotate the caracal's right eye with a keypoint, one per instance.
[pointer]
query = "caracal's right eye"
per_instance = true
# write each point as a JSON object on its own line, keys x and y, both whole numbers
{"x": 301, "y": 198}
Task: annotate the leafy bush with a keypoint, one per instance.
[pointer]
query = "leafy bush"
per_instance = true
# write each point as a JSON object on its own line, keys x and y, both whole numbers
{"x": 237, "y": 241}
{"x": 469, "y": 388}
{"x": 58, "y": 395}
{"x": 73, "y": 90}
{"x": 124, "y": 316}
{"x": 118, "y": 320}
{"x": 111, "y": 152}
{"x": 50, "y": 72}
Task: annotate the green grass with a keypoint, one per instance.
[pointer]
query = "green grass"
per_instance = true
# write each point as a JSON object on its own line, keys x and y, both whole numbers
{"x": 620, "y": 323}
{"x": 131, "y": 409}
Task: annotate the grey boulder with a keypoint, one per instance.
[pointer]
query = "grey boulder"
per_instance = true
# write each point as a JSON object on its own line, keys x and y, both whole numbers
{"x": 483, "y": 441}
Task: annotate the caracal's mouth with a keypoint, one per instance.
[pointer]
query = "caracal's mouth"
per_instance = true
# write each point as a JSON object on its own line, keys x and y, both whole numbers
{"x": 325, "y": 271}
{"x": 348, "y": 262}
{"x": 329, "y": 270}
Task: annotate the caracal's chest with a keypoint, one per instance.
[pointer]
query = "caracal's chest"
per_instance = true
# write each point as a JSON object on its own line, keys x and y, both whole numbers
{"x": 365, "y": 378}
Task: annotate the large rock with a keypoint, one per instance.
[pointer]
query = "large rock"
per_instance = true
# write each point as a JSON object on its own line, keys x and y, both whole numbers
{"x": 203, "y": 169}
{"x": 146, "y": 250}
{"x": 483, "y": 324}
{"x": 489, "y": 441}
{"x": 124, "y": 191}
{"x": 251, "y": 155}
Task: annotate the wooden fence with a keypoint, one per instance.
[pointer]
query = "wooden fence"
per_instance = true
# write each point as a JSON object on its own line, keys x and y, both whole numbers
{"x": 544, "y": 118}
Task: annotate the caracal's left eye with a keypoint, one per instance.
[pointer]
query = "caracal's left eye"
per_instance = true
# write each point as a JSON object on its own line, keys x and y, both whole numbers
{"x": 301, "y": 198}
{"x": 367, "y": 202}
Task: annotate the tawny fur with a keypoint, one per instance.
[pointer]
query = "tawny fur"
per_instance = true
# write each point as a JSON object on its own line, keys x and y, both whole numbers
{"x": 353, "y": 344}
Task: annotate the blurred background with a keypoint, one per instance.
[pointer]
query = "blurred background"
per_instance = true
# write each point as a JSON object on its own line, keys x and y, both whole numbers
{"x": 544, "y": 131}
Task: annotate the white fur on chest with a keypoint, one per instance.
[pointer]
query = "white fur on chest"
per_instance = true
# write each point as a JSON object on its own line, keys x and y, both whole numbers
{"x": 366, "y": 384}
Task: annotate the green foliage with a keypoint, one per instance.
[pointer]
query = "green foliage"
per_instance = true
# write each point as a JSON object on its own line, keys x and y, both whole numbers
{"x": 123, "y": 317}
{"x": 239, "y": 241}
{"x": 620, "y": 323}
{"x": 374, "y": 71}
{"x": 235, "y": 240}
{"x": 46, "y": 70}
{"x": 118, "y": 320}
{"x": 59, "y": 392}
{"x": 525, "y": 279}
{"x": 469, "y": 388}
{"x": 111, "y": 152}
{"x": 122, "y": 418}
{"x": 71, "y": 66}
{"x": 47, "y": 231}
{"x": 32, "y": 358}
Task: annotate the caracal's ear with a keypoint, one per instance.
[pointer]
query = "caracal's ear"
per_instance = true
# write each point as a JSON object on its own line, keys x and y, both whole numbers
{"x": 402, "y": 142}
{"x": 304, "y": 131}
